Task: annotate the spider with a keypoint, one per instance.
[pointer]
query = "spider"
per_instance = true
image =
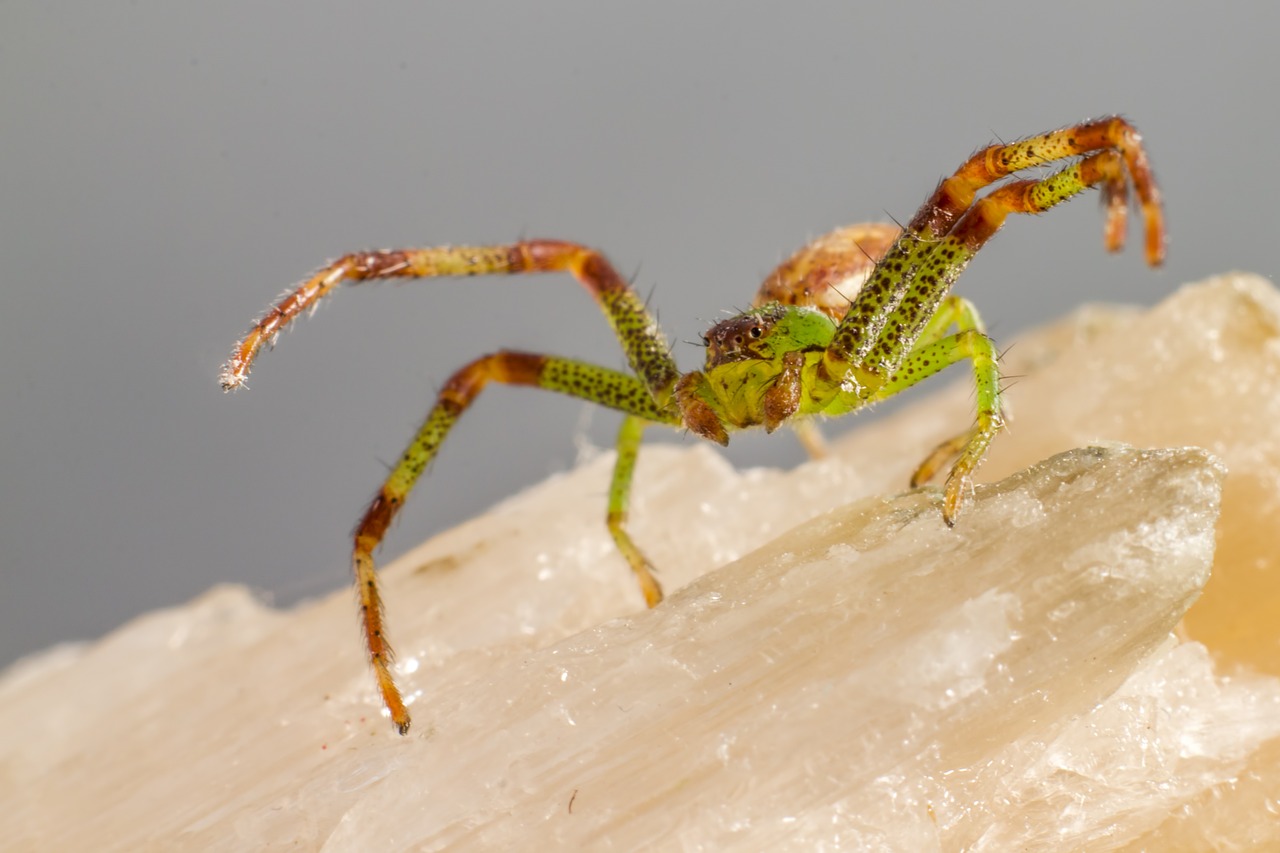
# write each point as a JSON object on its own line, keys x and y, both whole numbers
{"x": 852, "y": 318}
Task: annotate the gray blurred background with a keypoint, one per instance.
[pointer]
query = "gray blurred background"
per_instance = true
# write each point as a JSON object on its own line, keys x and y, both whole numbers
{"x": 167, "y": 169}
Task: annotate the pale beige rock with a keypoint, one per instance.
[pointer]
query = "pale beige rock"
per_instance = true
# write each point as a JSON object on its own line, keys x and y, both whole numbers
{"x": 866, "y": 679}
{"x": 1202, "y": 368}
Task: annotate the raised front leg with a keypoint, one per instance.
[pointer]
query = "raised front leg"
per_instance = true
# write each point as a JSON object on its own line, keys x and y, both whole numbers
{"x": 890, "y": 337}
{"x": 902, "y": 351}
{"x": 956, "y": 194}
{"x": 893, "y": 307}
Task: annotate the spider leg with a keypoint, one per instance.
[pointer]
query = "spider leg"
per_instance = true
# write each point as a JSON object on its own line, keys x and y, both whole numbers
{"x": 628, "y": 445}
{"x": 934, "y": 353}
{"x": 893, "y": 306}
{"x": 585, "y": 381}
{"x": 646, "y": 348}
{"x": 960, "y": 313}
{"x": 915, "y": 276}
{"x": 955, "y": 195}
{"x": 883, "y": 345}
{"x": 953, "y": 311}
{"x": 810, "y": 437}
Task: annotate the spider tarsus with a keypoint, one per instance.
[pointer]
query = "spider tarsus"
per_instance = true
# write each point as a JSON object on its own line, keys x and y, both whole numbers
{"x": 230, "y": 380}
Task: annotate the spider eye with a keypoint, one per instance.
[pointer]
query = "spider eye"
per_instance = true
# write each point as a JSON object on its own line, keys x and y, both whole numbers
{"x": 706, "y": 342}
{"x": 755, "y": 331}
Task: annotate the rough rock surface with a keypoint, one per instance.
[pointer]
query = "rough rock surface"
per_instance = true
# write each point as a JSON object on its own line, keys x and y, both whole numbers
{"x": 833, "y": 669}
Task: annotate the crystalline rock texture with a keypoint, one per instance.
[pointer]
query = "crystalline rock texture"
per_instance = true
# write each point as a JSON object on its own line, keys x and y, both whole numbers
{"x": 1089, "y": 660}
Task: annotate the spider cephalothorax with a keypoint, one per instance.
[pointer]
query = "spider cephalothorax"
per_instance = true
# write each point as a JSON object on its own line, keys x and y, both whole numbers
{"x": 852, "y": 318}
{"x": 767, "y": 332}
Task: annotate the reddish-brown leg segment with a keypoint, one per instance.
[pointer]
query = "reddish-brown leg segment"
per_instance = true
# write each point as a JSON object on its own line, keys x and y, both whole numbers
{"x": 877, "y": 348}
{"x": 917, "y": 272}
{"x": 955, "y": 195}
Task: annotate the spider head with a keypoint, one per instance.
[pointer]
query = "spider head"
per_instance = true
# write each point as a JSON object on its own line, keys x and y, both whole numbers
{"x": 767, "y": 333}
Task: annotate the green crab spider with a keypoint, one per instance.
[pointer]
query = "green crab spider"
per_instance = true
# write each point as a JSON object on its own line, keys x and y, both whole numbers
{"x": 852, "y": 318}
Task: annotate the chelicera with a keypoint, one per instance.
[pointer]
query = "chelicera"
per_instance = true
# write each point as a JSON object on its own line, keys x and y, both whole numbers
{"x": 852, "y": 318}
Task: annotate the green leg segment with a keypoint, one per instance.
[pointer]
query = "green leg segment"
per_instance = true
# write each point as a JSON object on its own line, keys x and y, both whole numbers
{"x": 590, "y": 382}
{"x": 893, "y": 308}
{"x": 629, "y": 436}
{"x": 933, "y": 353}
